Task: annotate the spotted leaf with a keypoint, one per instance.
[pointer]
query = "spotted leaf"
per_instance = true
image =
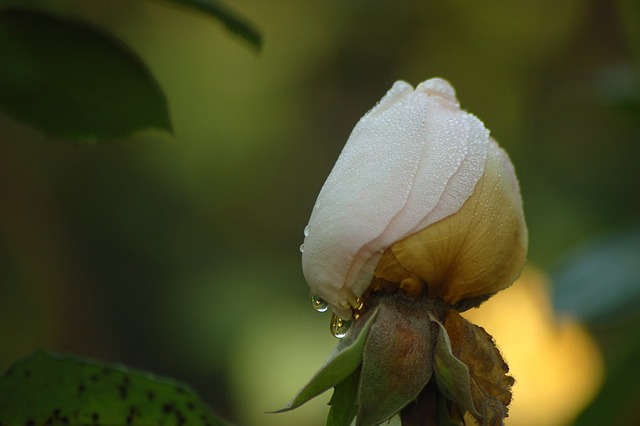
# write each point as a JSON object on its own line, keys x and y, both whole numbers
{"x": 49, "y": 389}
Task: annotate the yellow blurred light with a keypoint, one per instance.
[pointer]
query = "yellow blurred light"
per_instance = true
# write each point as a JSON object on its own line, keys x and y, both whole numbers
{"x": 557, "y": 366}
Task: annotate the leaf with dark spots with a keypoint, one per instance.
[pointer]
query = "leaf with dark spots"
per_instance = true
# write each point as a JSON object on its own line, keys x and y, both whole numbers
{"x": 490, "y": 384}
{"x": 397, "y": 360}
{"x": 52, "y": 397}
{"x": 343, "y": 361}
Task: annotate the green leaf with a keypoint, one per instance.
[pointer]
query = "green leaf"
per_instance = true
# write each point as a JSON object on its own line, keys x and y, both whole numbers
{"x": 344, "y": 401}
{"x": 53, "y": 390}
{"x": 342, "y": 362}
{"x": 452, "y": 375}
{"x": 234, "y": 22}
{"x": 74, "y": 81}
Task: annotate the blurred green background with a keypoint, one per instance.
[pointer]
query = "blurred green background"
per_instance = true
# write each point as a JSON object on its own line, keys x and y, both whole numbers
{"x": 182, "y": 257}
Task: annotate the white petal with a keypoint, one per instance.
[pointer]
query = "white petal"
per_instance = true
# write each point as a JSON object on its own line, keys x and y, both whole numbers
{"x": 412, "y": 160}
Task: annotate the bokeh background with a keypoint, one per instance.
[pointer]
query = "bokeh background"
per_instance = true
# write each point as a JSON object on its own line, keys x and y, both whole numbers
{"x": 182, "y": 257}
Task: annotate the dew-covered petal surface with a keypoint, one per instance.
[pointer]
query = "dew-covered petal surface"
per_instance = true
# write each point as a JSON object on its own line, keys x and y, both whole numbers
{"x": 474, "y": 253}
{"x": 412, "y": 160}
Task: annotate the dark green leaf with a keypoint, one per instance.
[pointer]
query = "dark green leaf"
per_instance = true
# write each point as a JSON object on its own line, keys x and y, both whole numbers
{"x": 343, "y": 401}
{"x": 234, "y": 22}
{"x": 74, "y": 81}
{"x": 344, "y": 360}
{"x": 51, "y": 389}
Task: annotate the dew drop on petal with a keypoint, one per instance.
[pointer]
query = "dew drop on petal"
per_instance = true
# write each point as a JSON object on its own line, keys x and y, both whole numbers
{"x": 301, "y": 248}
{"x": 318, "y": 303}
{"x": 339, "y": 327}
{"x": 306, "y": 231}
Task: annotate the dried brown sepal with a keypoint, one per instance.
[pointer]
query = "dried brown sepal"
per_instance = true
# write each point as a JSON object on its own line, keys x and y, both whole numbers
{"x": 490, "y": 383}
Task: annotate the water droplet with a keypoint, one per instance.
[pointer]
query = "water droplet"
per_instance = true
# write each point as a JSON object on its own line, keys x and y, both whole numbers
{"x": 339, "y": 327}
{"x": 301, "y": 248}
{"x": 306, "y": 231}
{"x": 318, "y": 303}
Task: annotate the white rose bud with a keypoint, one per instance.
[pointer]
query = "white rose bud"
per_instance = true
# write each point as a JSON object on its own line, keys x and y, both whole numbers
{"x": 420, "y": 197}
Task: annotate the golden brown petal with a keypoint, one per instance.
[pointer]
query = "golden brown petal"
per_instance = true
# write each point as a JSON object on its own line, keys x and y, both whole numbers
{"x": 475, "y": 252}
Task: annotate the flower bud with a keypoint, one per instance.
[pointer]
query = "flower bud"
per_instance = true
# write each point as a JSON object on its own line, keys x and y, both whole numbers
{"x": 420, "y": 196}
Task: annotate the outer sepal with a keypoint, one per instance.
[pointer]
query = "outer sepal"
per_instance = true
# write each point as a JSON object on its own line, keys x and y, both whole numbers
{"x": 397, "y": 360}
{"x": 343, "y": 402}
{"x": 344, "y": 360}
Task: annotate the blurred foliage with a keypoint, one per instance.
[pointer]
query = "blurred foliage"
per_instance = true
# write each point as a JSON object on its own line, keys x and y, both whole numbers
{"x": 599, "y": 282}
{"x": 182, "y": 258}
{"x": 228, "y": 17}
{"x": 71, "y": 80}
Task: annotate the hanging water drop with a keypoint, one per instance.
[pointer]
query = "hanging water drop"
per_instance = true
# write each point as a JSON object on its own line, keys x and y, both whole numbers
{"x": 306, "y": 231}
{"x": 301, "y": 248}
{"x": 318, "y": 303}
{"x": 339, "y": 327}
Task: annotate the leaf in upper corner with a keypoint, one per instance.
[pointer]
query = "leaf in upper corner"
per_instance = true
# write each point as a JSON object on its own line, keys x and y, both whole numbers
{"x": 233, "y": 21}
{"x": 45, "y": 388}
{"x": 74, "y": 81}
{"x": 344, "y": 360}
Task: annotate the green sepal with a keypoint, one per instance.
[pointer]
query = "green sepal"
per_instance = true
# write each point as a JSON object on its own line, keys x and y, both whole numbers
{"x": 452, "y": 375}
{"x": 397, "y": 360}
{"x": 342, "y": 362}
{"x": 344, "y": 401}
